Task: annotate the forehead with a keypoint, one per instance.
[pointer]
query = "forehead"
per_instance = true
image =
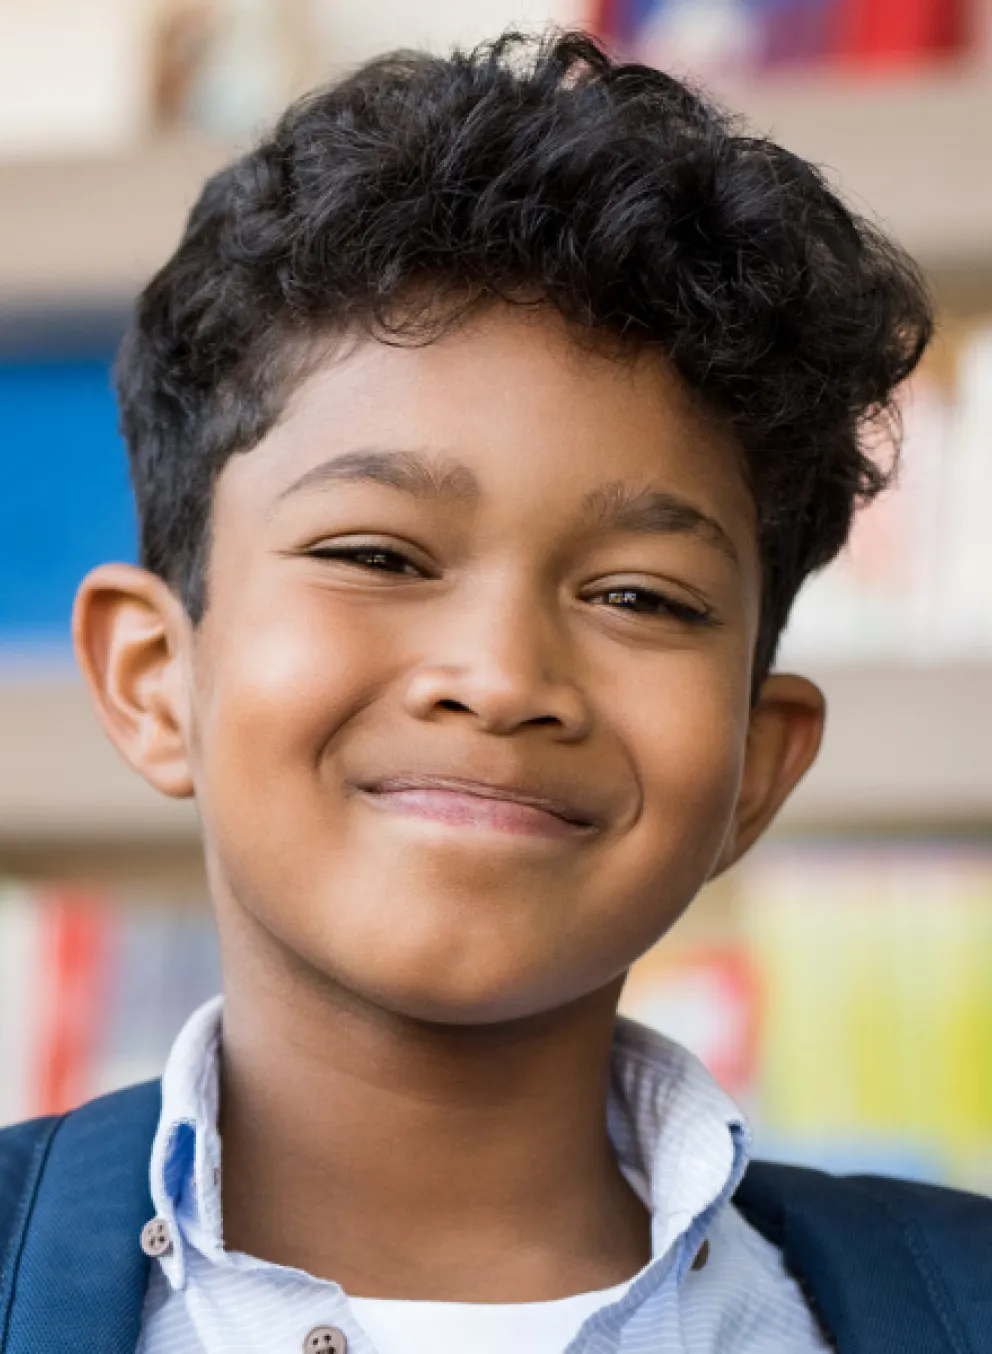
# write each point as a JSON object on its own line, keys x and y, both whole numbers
{"x": 536, "y": 421}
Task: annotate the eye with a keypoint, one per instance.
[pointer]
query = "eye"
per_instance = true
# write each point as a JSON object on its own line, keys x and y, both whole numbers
{"x": 361, "y": 554}
{"x": 660, "y": 604}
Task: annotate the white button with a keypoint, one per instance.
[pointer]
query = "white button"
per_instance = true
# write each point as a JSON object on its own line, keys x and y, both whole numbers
{"x": 325, "y": 1340}
{"x": 155, "y": 1238}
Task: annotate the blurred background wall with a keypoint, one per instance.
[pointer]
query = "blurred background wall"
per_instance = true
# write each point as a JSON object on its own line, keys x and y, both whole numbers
{"x": 839, "y": 981}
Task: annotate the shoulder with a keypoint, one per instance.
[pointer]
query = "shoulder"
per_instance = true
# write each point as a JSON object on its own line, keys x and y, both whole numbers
{"x": 90, "y": 1133}
{"x": 876, "y": 1252}
{"x": 22, "y": 1141}
{"x": 18, "y": 1141}
{"x": 854, "y": 1236}
{"x": 771, "y": 1193}
{"x": 20, "y": 1145}
{"x": 23, "y": 1147}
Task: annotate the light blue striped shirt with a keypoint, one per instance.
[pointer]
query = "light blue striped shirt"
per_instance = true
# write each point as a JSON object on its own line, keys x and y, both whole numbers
{"x": 679, "y": 1138}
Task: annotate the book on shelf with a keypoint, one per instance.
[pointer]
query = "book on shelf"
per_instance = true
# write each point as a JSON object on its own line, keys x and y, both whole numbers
{"x": 93, "y": 990}
{"x": 852, "y": 1016}
{"x": 715, "y": 38}
{"x": 913, "y": 582}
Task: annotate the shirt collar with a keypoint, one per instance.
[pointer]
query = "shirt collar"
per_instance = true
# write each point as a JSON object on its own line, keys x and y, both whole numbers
{"x": 680, "y": 1140}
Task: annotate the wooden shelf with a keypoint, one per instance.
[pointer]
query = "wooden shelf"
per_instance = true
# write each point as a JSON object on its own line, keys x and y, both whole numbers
{"x": 912, "y": 149}
{"x": 61, "y": 780}
{"x": 907, "y": 749}
{"x": 90, "y": 232}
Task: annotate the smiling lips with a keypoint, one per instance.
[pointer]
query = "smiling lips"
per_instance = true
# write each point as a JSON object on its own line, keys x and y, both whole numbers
{"x": 481, "y": 806}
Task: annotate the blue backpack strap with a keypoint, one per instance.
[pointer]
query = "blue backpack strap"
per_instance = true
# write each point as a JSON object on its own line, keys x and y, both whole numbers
{"x": 23, "y": 1149}
{"x": 74, "y": 1196}
{"x": 885, "y": 1264}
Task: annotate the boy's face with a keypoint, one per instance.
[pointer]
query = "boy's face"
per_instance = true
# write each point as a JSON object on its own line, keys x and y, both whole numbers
{"x": 509, "y": 648}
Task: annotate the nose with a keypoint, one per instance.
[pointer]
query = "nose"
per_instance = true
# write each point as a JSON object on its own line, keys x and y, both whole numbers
{"x": 500, "y": 657}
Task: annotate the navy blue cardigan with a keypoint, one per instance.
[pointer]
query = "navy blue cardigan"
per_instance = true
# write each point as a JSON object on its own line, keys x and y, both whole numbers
{"x": 889, "y": 1267}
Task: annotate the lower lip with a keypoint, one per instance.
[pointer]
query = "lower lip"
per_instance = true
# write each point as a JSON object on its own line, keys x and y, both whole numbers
{"x": 463, "y": 810}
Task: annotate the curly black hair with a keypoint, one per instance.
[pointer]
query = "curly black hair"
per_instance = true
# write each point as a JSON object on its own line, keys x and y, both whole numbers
{"x": 421, "y": 186}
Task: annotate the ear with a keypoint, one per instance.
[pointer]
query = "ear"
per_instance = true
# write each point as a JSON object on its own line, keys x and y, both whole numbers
{"x": 131, "y": 637}
{"x": 784, "y": 736}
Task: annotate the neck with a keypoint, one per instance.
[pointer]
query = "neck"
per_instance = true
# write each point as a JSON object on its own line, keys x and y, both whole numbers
{"x": 412, "y": 1160}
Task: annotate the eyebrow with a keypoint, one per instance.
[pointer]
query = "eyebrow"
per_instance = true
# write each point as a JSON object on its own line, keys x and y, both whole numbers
{"x": 612, "y": 506}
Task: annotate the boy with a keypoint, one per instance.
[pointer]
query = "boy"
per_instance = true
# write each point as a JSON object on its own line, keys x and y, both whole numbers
{"x": 482, "y": 428}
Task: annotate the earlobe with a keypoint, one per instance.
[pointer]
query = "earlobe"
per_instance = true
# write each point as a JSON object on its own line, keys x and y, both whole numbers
{"x": 128, "y": 634}
{"x": 784, "y": 736}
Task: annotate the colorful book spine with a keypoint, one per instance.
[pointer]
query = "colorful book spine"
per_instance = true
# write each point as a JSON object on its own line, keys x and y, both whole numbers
{"x": 866, "y": 1016}
{"x": 76, "y": 946}
{"x": 912, "y": 582}
{"x": 716, "y": 37}
{"x": 888, "y": 33}
{"x": 94, "y": 989}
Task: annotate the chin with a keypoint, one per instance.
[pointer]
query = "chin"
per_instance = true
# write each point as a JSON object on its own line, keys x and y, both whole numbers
{"x": 439, "y": 997}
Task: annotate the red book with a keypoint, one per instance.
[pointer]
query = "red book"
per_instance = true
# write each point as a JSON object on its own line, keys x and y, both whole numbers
{"x": 75, "y": 948}
{"x": 900, "y": 32}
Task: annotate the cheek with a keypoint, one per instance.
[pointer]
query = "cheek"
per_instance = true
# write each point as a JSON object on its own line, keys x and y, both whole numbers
{"x": 281, "y": 685}
{"x": 689, "y": 742}
{"x": 692, "y": 757}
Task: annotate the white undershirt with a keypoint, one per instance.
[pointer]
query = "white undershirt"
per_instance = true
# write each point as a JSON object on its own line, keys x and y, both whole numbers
{"x": 396, "y": 1326}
